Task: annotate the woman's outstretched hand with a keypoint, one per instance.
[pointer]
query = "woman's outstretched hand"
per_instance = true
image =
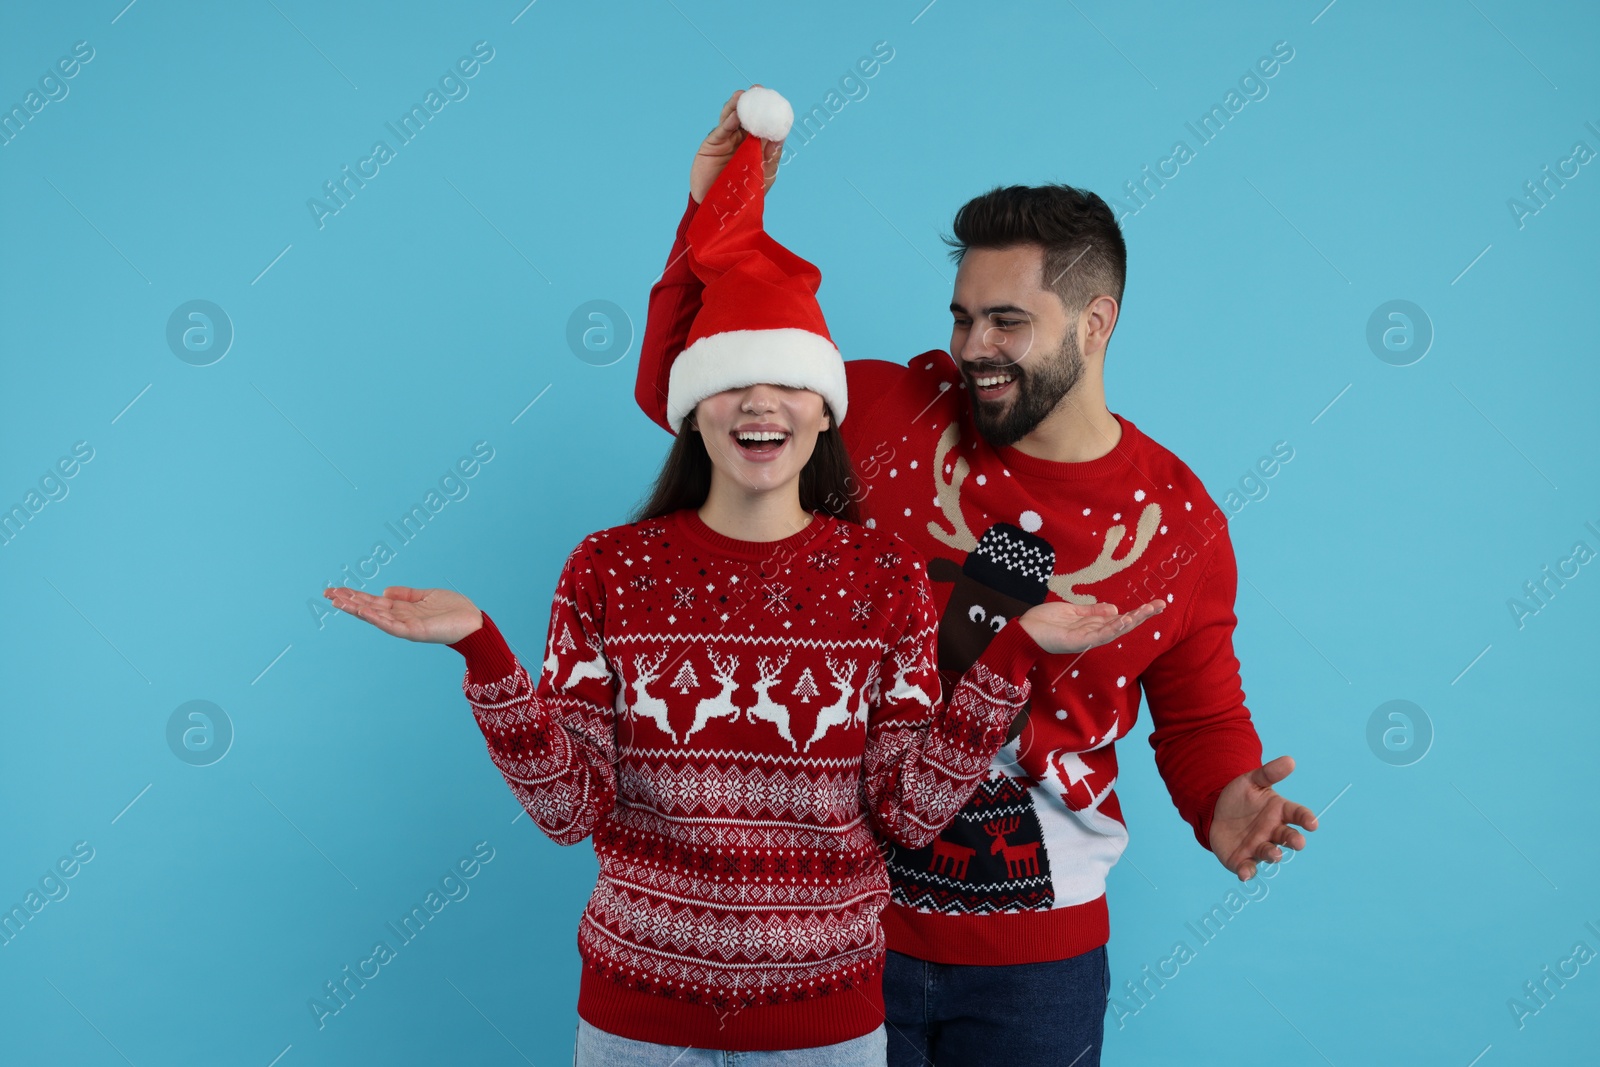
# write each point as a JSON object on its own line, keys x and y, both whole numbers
{"x": 718, "y": 148}
{"x": 1059, "y": 627}
{"x": 435, "y": 615}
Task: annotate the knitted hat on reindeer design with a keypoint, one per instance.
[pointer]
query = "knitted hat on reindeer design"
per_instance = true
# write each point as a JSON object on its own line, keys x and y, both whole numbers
{"x": 759, "y": 319}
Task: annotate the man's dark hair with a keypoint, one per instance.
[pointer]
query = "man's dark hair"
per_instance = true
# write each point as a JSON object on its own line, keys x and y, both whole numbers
{"x": 1084, "y": 254}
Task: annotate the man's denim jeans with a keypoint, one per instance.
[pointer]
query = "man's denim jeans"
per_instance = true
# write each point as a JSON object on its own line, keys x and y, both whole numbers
{"x": 1019, "y": 1015}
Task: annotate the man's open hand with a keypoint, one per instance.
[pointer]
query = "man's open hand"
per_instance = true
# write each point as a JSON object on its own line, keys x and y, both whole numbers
{"x": 1251, "y": 820}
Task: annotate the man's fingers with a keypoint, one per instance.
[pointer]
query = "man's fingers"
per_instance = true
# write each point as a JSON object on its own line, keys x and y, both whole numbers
{"x": 1300, "y": 815}
{"x": 1272, "y": 772}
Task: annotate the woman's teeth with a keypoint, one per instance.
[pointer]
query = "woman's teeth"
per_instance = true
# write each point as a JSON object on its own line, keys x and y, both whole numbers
{"x": 761, "y": 440}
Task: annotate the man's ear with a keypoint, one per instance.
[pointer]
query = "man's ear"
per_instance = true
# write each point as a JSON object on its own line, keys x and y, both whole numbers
{"x": 1100, "y": 319}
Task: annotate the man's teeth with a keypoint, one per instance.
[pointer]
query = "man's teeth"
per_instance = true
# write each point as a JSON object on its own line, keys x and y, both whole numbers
{"x": 763, "y": 435}
{"x": 993, "y": 379}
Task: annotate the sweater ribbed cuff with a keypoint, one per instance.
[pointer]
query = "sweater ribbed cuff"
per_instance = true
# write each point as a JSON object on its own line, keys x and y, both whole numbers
{"x": 1202, "y": 817}
{"x": 488, "y": 657}
{"x": 1012, "y": 652}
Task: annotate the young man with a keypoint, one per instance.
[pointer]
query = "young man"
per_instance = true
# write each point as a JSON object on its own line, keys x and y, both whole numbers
{"x": 1001, "y": 462}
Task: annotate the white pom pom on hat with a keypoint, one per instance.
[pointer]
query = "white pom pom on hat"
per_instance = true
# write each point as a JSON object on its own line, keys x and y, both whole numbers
{"x": 765, "y": 113}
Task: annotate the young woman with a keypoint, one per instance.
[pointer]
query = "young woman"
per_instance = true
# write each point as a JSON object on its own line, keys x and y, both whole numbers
{"x": 739, "y": 696}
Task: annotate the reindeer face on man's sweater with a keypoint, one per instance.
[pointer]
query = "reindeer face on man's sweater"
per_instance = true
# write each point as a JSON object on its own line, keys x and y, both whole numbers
{"x": 1007, "y": 573}
{"x": 974, "y": 614}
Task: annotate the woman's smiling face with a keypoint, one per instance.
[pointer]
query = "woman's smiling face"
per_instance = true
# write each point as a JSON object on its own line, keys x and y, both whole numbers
{"x": 760, "y": 437}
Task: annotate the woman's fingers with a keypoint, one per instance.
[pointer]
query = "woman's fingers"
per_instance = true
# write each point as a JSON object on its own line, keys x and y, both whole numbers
{"x": 374, "y": 609}
{"x": 1143, "y": 612}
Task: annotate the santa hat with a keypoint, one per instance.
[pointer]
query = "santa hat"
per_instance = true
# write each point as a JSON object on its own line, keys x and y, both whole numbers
{"x": 759, "y": 319}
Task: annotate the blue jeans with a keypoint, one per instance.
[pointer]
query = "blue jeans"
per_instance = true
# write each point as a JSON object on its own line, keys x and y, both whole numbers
{"x": 597, "y": 1048}
{"x": 1019, "y": 1015}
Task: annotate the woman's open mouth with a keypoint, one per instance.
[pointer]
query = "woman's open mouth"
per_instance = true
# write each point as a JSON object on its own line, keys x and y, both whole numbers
{"x": 760, "y": 446}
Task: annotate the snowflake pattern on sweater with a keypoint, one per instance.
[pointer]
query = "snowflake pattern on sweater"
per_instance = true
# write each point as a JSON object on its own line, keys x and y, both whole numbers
{"x": 1019, "y": 876}
{"x": 735, "y": 736}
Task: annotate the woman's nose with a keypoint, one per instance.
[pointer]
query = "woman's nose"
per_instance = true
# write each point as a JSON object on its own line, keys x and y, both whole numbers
{"x": 760, "y": 398}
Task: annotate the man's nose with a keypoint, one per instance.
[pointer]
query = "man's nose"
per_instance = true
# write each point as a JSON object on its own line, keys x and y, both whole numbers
{"x": 980, "y": 343}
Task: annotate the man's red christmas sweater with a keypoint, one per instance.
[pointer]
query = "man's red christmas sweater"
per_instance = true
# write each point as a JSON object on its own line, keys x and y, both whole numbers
{"x": 736, "y": 724}
{"x": 1019, "y": 875}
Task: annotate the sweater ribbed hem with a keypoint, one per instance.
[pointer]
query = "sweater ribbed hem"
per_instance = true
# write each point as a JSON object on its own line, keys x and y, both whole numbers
{"x": 824, "y": 1020}
{"x": 989, "y": 940}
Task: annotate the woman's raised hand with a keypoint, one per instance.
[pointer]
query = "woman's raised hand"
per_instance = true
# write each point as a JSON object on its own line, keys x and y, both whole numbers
{"x": 718, "y": 148}
{"x": 1059, "y": 627}
{"x": 439, "y": 616}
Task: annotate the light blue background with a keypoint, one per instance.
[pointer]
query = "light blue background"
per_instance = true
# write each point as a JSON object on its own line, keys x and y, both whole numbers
{"x": 431, "y": 311}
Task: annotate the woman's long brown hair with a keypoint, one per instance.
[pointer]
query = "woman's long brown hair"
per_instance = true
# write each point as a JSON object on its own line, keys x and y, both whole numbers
{"x": 827, "y": 481}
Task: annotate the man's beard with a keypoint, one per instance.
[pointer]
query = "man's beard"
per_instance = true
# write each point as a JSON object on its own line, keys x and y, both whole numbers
{"x": 1040, "y": 385}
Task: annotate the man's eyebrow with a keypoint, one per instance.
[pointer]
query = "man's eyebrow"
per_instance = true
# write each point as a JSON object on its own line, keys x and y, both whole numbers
{"x": 997, "y": 309}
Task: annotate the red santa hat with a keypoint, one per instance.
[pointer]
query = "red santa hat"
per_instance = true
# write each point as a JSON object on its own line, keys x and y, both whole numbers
{"x": 759, "y": 319}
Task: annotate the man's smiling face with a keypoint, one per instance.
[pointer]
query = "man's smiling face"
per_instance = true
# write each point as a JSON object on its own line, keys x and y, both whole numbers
{"x": 1013, "y": 340}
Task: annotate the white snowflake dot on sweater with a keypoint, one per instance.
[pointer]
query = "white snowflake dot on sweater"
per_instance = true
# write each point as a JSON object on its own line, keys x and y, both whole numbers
{"x": 1138, "y": 494}
{"x": 1030, "y": 520}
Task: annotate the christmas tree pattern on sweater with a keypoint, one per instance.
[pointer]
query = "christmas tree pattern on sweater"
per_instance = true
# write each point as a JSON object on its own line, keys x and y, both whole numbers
{"x": 736, "y": 726}
{"x": 1131, "y": 525}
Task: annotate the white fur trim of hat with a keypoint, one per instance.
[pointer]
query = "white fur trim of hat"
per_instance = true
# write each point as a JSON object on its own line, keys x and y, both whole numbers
{"x": 733, "y": 359}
